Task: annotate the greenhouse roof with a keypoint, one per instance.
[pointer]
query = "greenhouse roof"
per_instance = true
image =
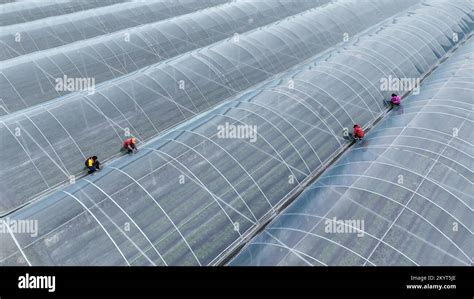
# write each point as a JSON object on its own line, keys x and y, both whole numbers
{"x": 291, "y": 78}
{"x": 406, "y": 190}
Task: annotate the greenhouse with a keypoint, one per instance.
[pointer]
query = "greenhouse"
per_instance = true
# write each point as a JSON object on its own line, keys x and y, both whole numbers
{"x": 21, "y": 12}
{"x": 236, "y": 123}
{"x": 61, "y": 30}
{"x": 56, "y": 137}
{"x": 410, "y": 183}
{"x": 111, "y": 56}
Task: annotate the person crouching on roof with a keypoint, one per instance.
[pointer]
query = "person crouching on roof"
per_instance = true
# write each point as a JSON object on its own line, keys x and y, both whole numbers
{"x": 394, "y": 101}
{"x": 93, "y": 164}
{"x": 358, "y": 132}
{"x": 130, "y": 145}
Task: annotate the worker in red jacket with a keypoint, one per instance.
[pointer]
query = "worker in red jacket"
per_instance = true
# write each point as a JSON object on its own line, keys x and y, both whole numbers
{"x": 358, "y": 132}
{"x": 130, "y": 145}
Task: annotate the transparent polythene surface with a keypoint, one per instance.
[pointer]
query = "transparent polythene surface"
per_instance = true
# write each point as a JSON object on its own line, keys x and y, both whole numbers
{"x": 408, "y": 186}
{"x": 56, "y": 138}
{"x": 42, "y": 34}
{"x": 32, "y": 79}
{"x": 189, "y": 195}
{"x": 22, "y": 11}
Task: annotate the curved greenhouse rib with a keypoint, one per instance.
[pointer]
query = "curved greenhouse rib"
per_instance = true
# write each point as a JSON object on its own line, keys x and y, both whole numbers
{"x": 380, "y": 195}
{"x": 16, "y": 242}
{"x": 99, "y": 223}
{"x": 406, "y": 169}
{"x": 391, "y": 183}
{"x": 318, "y": 222}
{"x": 121, "y": 231}
{"x": 345, "y": 85}
{"x": 297, "y": 253}
{"x": 216, "y": 198}
{"x": 164, "y": 212}
{"x": 378, "y": 215}
{"x": 388, "y": 221}
{"x": 280, "y": 157}
{"x": 297, "y": 151}
{"x": 405, "y": 230}
{"x": 292, "y": 250}
{"x": 331, "y": 66}
{"x": 324, "y": 238}
{"x": 218, "y": 171}
{"x": 357, "y": 229}
{"x": 341, "y": 105}
{"x": 26, "y": 152}
{"x": 237, "y": 162}
{"x": 64, "y": 171}
{"x": 67, "y": 132}
{"x": 286, "y": 120}
{"x": 421, "y": 149}
{"x": 301, "y": 102}
{"x": 236, "y": 120}
{"x": 102, "y": 113}
{"x": 431, "y": 131}
{"x": 130, "y": 218}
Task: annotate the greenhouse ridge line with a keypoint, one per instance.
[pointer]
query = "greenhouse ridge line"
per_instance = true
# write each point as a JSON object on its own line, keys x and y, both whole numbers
{"x": 224, "y": 260}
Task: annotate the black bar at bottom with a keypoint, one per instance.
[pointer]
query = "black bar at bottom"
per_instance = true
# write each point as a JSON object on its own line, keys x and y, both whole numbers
{"x": 222, "y": 282}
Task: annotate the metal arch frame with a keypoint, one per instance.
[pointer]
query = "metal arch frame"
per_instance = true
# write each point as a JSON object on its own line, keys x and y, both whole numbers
{"x": 264, "y": 107}
{"x": 131, "y": 219}
{"x": 391, "y": 183}
{"x": 218, "y": 171}
{"x": 109, "y": 218}
{"x": 282, "y": 134}
{"x": 16, "y": 242}
{"x": 280, "y": 158}
{"x": 98, "y": 222}
{"x": 301, "y": 101}
{"x": 238, "y": 163}
{"x": 201, "y": 184}
{"x": 356, "y": 228}
{"x": 164, "y": 212}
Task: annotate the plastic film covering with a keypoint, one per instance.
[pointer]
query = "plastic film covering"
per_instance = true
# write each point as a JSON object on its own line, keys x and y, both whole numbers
{"x": 190, "y": 195}
{"x": 56, "y": 138}
{"x": 17, "y": 40}
{"x": 402, "y": 197}
{"x": 42, "y": 76}
{"x": 20, "y": 12}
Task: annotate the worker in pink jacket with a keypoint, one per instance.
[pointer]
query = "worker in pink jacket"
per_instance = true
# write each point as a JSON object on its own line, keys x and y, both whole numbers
{"x": 394, "y": 101}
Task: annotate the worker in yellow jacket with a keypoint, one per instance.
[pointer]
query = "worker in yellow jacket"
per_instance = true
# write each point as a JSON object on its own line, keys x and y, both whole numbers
{"x": 93, "y": 164}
